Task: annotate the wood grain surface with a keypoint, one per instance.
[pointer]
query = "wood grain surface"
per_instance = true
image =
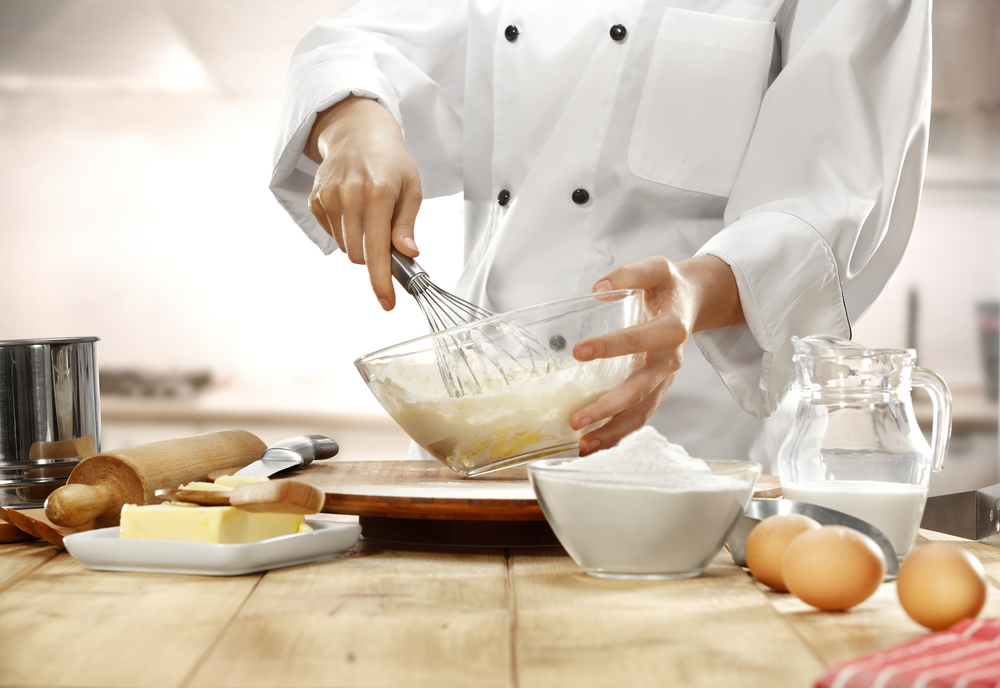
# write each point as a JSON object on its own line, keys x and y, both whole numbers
{"x": 422, "y": 489}
{"x": 388, "y": 618}
{"x": 20, "y": 560}
{"x": 36, "y": 523}
{"x": 406, "y": 617}
{"x": 11, "y": 533}
{"x": 573, "y": 628}
{"x": 114, "y": 631}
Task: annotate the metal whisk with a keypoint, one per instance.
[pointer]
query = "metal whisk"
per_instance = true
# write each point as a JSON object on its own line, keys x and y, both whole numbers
{"x": 471, "y": 360}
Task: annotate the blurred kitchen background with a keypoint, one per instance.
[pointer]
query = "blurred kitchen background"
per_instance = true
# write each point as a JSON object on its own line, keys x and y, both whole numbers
{"x": 135, "y": 150}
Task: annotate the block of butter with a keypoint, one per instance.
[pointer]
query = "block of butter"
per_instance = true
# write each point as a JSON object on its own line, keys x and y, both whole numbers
{"x": 217, "y": 524}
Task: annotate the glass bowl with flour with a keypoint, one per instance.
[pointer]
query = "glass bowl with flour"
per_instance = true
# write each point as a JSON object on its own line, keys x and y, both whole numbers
{"x": 643, "y": 509}
{"x": 510, "y": 412}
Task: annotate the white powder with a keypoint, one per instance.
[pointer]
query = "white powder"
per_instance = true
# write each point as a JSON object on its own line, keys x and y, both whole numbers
{"x": 644, "y": 508}
{"x": 645, "y": 456}
{"x": 643, "y": 451}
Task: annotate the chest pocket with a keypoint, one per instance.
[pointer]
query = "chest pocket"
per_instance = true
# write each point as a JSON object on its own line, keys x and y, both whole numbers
{"x": 700, "y": 101}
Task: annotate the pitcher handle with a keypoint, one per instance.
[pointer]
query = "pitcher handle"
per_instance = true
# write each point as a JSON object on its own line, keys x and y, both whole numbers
{"x": 941, "y": 399}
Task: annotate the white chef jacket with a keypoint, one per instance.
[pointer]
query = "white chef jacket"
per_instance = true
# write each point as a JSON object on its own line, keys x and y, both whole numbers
{"x": 786, "y": 137}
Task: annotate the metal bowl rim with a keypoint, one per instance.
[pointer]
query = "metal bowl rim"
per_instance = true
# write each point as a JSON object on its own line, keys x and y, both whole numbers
{"x": 49, "y": 340}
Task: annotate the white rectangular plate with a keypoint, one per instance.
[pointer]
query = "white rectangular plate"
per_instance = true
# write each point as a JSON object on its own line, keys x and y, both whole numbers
{"x": 104, "y": 550}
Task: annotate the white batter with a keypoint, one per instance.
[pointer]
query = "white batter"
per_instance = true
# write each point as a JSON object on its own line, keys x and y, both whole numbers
{"x": 527, "y": 418}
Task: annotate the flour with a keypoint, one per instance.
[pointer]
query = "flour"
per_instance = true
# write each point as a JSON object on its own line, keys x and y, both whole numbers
{"x": 645, "y": 456}
{"x": 642, "y": 509}
{"x": 643, "y": 451}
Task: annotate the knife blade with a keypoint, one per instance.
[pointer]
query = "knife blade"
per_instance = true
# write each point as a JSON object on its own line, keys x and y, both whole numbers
{"x": 295, "y": 452}
{"x": 973, "y": 515}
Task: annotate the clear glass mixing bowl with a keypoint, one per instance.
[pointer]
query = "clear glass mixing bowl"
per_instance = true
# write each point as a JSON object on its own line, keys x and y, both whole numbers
{"x": 500, "y": 391}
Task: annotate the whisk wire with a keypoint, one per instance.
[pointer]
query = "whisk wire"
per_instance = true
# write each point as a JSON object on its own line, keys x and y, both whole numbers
{"x": 462, "y": 354}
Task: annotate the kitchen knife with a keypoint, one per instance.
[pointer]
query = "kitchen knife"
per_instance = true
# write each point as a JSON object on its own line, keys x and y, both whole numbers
{"x": 973, "y": 515}
{"x": 295, "y": 452}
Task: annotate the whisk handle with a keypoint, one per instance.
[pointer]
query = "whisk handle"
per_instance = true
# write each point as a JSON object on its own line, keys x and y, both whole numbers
{"x": 404, "y": 268}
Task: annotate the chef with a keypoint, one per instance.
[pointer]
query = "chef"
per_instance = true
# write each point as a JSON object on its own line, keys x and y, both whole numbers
{"x": 754, "y": 165}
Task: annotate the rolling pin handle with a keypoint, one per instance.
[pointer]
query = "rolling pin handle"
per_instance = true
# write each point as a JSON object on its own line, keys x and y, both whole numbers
{"x": 76, "y": 504}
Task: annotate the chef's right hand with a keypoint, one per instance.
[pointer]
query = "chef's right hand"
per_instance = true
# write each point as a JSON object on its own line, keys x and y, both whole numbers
{"x": 367, "y": 189}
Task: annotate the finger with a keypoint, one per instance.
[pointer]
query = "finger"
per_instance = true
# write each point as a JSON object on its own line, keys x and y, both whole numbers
{"x": 624, "y": 423}
{"x": 377, "y": 233}
{"x": 405, "y": 218}
{"x": 658, "y": 333}
{"x": 639, "y": 385}
{"x": 329, "y": 221}
{"x": 352, "y": 212}
{"x": 319, "y": 212}
{"x": 647, "y": 273}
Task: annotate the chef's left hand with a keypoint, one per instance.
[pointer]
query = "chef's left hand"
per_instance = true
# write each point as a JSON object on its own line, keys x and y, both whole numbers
{"x": 682, "y": 298}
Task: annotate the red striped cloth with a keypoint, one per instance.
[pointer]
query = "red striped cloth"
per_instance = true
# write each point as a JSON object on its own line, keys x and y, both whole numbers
{"x": 967, "y": 655}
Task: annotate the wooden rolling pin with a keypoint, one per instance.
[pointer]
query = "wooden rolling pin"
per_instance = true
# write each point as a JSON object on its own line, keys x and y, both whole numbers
{"x": 101, "y": 484}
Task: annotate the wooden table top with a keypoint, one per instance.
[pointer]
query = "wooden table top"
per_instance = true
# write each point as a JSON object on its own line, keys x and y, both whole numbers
{"x": 384, "y": 616}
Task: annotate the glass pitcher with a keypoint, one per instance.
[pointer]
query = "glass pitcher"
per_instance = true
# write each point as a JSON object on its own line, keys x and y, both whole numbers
{"x": 855, "y": 445}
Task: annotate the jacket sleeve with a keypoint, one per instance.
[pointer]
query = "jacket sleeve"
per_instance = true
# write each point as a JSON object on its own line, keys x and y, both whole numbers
{"x": 410, "y": 56}
{"x": 824, "y": 205}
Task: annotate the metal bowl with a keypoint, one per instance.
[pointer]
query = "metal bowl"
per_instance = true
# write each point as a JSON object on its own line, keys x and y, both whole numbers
{"x": 50, "y": 414}
{"x": 26, "y": 485}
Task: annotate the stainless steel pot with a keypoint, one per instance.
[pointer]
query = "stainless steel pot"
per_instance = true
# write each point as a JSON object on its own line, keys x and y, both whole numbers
{"x": 50, "y": 414}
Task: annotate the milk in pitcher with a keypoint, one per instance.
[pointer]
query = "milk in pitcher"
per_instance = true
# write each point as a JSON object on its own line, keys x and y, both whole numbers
{"x": 894, "y": 508}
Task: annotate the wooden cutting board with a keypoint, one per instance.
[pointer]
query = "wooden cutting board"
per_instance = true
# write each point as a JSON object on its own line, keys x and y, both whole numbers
{"x": 11, "y": 533}
{"x": 430, "y": 490}
{"x": 35, "y": 524}
{"x": 424, "y": 490}
{"x": 426, "y": 502}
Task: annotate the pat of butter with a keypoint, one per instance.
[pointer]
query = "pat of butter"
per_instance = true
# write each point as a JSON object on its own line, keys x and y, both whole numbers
{"x": 217, "y": 524}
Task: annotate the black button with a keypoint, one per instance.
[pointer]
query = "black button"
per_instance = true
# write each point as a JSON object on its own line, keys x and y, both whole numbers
{"x": 580, "y": 196}
{"x": 503, "y": 197}
{"x": 618, "y": 32}
{"x": 510, "y": 33}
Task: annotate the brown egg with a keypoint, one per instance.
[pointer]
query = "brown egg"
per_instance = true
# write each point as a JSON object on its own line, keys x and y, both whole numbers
{"x": 766, "y": 546}
{"x": 833, "y": 567}
{"x": 940, "y": 584}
